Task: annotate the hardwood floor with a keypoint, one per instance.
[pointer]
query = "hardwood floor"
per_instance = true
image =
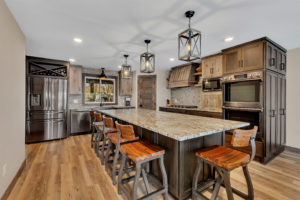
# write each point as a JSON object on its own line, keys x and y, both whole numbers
{"x": 69, "y": 169}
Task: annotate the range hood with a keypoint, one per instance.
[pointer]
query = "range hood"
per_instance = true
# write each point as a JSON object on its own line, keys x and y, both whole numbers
{"x": 182, "y": 76}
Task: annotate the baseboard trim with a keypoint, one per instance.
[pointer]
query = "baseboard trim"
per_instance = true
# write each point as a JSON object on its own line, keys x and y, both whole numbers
{"x": 13, "y": 182}
{"x": 292, "y": 149}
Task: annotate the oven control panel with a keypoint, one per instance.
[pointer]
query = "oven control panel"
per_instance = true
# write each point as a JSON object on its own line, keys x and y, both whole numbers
{"x": 246, "y": 76}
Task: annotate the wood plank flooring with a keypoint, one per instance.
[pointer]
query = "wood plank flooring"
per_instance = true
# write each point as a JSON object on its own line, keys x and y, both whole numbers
{"x": 69, "y": 169}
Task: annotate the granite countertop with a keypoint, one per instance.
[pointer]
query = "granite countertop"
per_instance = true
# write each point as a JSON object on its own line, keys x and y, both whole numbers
{"x": 87, "y": 108}
{"x": 177, "y": 126}
{"x": 197, "y": 109}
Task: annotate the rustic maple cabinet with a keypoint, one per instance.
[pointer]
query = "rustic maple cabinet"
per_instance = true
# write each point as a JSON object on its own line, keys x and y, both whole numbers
{"x": 244, "y": 58}
{"x": 212, "y": 66}
{"x": 276, "y": 59}
{"x": 212, "y": 101}
{"x": 125, "y": 86}
{"x": 75, "y": 79}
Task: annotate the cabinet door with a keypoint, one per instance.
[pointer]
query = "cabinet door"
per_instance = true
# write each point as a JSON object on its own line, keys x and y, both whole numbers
{"x": 281, "y": 64}
{"x": 206, "y": 68}
{"x": 272, "y": 59}
{"x": 125, "y": 86}
{"x": 252, "y": 56}
{"x": 217, "y": 66}
{"x": 271, "y": 112}
{"x": 212, "y": 101}
{"x": 281, "y": 109}
{"x": 231, "y": 61}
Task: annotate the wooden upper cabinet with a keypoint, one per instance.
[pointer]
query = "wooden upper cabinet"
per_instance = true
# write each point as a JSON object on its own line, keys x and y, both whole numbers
{"x": 231, "y": 61}
{"x": 125, "y": 87}
{"x": 252, "y": 56}
{"x": 212, "y": 67}
{"x": 275, "y": 59}
{"x": 75, "y": 79}
{"x": 244, "y": 58}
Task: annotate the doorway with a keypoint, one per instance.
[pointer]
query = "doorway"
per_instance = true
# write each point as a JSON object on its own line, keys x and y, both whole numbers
{"x": 147, "y": 92}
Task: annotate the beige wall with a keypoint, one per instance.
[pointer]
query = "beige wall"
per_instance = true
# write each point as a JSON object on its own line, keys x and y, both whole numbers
{"x": 12, "y": 101}
{"x": 293, "y": 98}
{"x": 162, "y": 93}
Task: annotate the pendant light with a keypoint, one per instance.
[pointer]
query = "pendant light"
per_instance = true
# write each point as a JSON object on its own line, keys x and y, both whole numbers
{"x": 125, "y": 69}
{"x": 102, "y": 75}
{"x": 189, "y": 42}
{"x": 147, "y": 60}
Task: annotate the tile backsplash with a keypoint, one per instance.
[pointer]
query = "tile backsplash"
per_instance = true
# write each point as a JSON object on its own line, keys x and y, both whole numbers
{"x": 187, "y": 96}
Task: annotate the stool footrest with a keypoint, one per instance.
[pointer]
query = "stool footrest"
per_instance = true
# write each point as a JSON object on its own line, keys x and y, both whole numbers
{"x": 205, "y": 185}
{"x": 153, "y": 194}
{"x": 237, "y": 192}
{"x": 128, "y": 179}
{"x": 201, "y": 195}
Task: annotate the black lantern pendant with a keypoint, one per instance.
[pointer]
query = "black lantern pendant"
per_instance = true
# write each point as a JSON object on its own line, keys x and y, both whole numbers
{"x": 147, "y": 61}
{"x": 125, "y": 69}
{"x": 189, "y": 42}
{"x": 102, "y": 75}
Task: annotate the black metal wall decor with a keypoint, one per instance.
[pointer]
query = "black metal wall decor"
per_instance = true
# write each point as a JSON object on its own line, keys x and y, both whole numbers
{"x": 125, "y": 69}
{"x": 102, "y": 75}
{"x": 189, "y": 42}
{"x": 147, "y": 60}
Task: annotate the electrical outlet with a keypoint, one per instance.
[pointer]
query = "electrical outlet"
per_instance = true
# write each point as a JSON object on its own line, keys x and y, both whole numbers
{"x": 4, "y": 169}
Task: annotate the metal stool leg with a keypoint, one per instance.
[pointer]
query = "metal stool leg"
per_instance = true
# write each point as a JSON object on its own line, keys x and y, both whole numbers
{"x": 107, "y": 155}
{"x": 102, "y": 150}
{"x": 164, "y": 176}
{"x": 136, "y": 181}
{"x": 121, "y": 171}
{"x": 195, "y": 178}
{"x": 249, "y": 183}
{"x": 217, "y": 185}
{"x": 226, "y": 177}
{"x": 93, "y": 137}
{"x": 115, "y": 162}
{"x": 146, "y": 182}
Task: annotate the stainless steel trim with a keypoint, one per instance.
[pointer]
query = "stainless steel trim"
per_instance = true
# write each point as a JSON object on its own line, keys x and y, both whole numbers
{"x": 243, "y": 108}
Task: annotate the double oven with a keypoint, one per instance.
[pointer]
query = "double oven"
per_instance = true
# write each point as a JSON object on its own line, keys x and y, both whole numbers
{"x": 243, "y": 98}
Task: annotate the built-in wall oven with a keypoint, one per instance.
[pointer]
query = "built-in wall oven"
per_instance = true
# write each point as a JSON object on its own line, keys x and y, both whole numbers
{"x": 243, "y": 90}
{"x": 211, "y": 84}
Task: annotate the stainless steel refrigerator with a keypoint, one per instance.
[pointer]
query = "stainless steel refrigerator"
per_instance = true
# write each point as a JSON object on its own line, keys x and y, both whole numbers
{"x": 46, "y": 112}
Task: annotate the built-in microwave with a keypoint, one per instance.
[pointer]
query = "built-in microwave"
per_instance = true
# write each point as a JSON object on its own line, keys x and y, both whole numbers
{"x": 243, "y": 90}
{"x": 212, "y": 84}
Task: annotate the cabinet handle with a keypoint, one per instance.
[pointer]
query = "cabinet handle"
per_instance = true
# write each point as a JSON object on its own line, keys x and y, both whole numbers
{"x": 282, "y": 66}
{"x": 273, "y": 113}
{"x": 239, "y": 63}
{"x": 212, "y": 70}
{"x": 282, "y": 111}
{"x": 242, "y": 63}
{"x": 272, "y": 62}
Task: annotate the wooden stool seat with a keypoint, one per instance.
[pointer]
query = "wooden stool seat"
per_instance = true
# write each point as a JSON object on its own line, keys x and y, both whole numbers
{"x": 141, "y": 150}
{"x": 224, "y": 157}
{"x": 113, "y": 137}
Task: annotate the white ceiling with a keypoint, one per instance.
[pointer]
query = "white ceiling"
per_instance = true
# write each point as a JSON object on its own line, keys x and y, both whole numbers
{"x": 110, "y": 28}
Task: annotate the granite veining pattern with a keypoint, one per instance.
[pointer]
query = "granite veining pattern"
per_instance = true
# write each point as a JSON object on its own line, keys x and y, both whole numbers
{"x": 177, "y": 126}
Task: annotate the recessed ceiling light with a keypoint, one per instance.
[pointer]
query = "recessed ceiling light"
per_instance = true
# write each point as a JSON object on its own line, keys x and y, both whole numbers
{"x": 77, "y": 40}
{"x": 172, "y": 59}
{"x": 119, "y": 66}
{"x": 228, "y": 39}
{"x": 72, "y": 60}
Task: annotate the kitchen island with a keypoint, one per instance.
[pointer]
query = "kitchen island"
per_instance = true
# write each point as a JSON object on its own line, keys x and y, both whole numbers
{"x": 181, "y": 135}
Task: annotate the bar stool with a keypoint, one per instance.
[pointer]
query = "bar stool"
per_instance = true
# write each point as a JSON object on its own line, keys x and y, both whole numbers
{"x": 108, "y": 128}
{"x": 224, "y": 160}
{"x": 141, "y": 153}
{"x": 98, "y": 126}
{"x": 124, "y": 135}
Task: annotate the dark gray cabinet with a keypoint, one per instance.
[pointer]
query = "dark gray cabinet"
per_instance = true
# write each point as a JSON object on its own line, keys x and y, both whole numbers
{"x": 276, "y": 59}
{"x": 275, "y": 115}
